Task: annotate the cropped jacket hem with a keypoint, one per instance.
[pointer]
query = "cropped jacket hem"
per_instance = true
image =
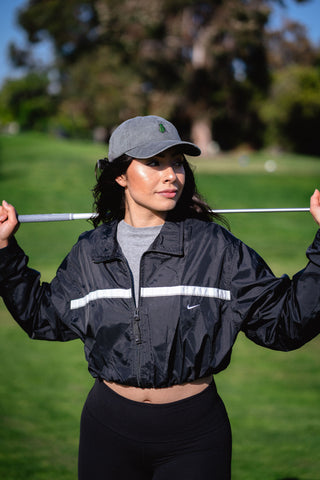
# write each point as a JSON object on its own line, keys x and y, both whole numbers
{"x": 199, "y": 287}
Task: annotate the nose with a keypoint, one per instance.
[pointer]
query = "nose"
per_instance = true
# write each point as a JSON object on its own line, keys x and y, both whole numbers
{"x": 169, "y": 174}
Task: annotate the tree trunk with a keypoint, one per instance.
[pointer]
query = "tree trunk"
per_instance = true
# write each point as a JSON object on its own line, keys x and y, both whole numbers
{"x": 201, "y": 135}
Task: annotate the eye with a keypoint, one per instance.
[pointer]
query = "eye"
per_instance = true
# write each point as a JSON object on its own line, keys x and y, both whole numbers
{"x": 178, "y": 163}
{"x": 153, "y": 163}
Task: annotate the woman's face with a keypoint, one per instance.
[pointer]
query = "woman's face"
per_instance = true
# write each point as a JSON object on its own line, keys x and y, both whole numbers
{"x": 152, "y": 187}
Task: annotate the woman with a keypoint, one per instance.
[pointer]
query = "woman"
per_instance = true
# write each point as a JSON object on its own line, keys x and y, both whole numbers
{"x": 158, "y": 294}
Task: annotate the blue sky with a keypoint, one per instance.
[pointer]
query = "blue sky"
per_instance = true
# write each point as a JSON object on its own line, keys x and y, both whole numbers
{"x": 10, "y": 32}
{"x": 308, "y": 14}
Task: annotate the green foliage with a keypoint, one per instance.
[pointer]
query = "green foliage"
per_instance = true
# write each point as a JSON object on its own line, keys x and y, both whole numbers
{"x": 292, "y": 112}
{"x": 177, "y": 59}
{"x": 108, "y": 90}
{"x": 193, "y": 62}
{"x": 27, "y": 102}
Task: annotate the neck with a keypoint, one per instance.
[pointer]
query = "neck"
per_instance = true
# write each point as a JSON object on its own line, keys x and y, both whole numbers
{"x": 145, "y": 219}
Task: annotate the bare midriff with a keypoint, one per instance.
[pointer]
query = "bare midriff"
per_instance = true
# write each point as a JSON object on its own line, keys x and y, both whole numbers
{"x": 161, "y": 395}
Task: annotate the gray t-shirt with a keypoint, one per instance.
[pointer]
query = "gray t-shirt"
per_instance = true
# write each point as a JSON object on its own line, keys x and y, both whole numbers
{"x": 134, "y": 242}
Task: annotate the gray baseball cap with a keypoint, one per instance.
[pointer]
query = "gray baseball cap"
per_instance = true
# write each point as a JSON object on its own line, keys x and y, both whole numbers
{"x": 144, "y": 137}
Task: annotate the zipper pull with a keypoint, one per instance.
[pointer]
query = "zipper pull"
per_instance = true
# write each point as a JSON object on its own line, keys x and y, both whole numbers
{"x": 136, "y": 327}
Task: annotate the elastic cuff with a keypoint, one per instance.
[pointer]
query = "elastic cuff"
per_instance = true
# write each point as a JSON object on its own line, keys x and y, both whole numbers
{"x": 313, "y": 252}
{"x": 11, "y": 248}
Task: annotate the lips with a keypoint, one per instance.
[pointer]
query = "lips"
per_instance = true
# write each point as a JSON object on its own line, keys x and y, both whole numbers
{"x": 168, "y": 193}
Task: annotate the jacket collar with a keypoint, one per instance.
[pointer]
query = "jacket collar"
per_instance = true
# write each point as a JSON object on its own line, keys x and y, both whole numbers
{"x": 105, "y": 247}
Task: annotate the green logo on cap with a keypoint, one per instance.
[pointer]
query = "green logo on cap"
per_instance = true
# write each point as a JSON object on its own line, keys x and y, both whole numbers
{"x": 162, "y": 128}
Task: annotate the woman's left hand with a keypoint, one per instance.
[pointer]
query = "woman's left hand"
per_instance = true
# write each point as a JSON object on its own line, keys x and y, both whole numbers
{"x": 315, "y": 206}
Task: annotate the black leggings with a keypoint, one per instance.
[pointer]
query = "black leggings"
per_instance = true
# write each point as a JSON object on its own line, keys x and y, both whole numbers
{"x": 125, "y": 440}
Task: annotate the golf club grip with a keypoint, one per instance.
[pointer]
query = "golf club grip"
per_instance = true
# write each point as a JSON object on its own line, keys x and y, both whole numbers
{"x": 45, "y": 217}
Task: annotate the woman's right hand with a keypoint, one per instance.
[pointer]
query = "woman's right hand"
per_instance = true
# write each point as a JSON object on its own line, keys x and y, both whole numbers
{"x": 8, "y": 223}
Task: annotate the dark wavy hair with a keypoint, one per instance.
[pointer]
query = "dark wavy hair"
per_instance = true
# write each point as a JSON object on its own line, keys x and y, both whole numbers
{"x": 109, "y": 199}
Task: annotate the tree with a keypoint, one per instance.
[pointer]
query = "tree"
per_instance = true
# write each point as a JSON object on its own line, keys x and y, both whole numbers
{"x": 292, "y": 112}
{"x": 290, "y": 45}
{"x": 27, "y": 102}
{"x": 195, "y": 62}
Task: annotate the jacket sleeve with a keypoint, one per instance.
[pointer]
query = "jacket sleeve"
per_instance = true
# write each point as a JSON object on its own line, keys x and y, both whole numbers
{"x": 40, "y": 309}
{"x": 277, "y": 313}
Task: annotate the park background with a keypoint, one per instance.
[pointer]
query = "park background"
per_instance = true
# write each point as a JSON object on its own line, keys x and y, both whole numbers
{"x": 248, "y": 91}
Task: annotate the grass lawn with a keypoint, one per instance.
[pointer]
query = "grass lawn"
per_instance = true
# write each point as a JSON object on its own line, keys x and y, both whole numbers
{"x": 272, "y": 398}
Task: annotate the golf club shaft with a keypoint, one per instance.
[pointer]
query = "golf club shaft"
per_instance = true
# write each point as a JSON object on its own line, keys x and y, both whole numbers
{"x": 59, "y": 217}
{"x": 261, "y": 210}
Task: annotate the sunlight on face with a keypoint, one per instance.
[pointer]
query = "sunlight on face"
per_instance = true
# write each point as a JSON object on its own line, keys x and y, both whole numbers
{"x": 153, "y": 187}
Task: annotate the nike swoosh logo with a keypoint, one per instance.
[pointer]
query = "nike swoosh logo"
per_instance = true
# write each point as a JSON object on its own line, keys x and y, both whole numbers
{"x": 190, "y": 307}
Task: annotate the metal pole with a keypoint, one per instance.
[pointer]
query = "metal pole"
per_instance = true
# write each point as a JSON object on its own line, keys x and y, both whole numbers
{"x": 59, "y": 217}
{"x": 261, "y": 210}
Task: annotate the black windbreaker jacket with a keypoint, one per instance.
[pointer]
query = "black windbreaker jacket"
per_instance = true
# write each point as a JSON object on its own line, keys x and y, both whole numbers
{"x": 199, "y": 286}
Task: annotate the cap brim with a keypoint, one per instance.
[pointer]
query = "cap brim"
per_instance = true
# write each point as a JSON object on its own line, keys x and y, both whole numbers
{"x": 150, "y": 150}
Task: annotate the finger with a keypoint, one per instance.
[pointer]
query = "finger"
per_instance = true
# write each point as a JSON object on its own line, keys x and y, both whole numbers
{"x": 10, "y": 211}
{"x": 8, "y": 215}
{"x": 315, "y": 199}
{"x": 315, "y": 206}
{"x": 3, "y": 211}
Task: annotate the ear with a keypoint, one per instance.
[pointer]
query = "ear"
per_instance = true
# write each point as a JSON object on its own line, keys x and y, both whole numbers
{"x": 121, "y": 180}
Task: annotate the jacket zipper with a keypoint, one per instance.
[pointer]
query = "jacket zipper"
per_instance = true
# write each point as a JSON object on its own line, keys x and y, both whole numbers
{"x": 138, "y": 341}
{"x": 136, "y": 325}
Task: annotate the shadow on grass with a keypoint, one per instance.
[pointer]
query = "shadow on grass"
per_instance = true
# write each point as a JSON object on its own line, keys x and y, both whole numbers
{"x": 295, "y": 478}
{"x": 289, "y": 478}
